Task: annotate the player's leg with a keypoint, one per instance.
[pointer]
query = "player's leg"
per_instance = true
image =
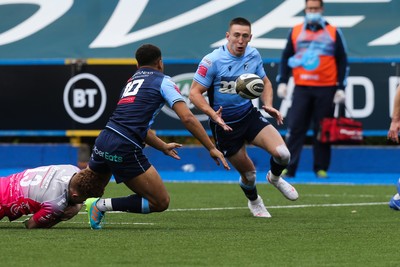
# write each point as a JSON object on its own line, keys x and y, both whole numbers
{"x": 151, "y": 194}
{"x": 233, "y": 146}
{"x": 247, "y": 181}
{"x": 131, "y": 168}
{"x": 270, "y": 140}
{"x": 243, "y": 164}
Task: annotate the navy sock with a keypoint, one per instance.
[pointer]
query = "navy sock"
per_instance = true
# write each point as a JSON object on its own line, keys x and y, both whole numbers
{"x": 132, "y": 203}
{"x": 276, "y": 168}
{"x": 249, "y": 190}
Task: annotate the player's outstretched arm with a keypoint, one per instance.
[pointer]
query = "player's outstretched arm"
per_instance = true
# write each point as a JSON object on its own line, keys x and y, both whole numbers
{"x": 45, "y": 217}
{"x": 168, "y": 149}
{"x": 194, "y": 126}
{"x": 266, "y": 98}
{"x": 32, "y": 224}
{"x": 197, "y": 98}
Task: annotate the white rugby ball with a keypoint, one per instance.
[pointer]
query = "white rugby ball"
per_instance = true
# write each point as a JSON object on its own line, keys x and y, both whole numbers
{"x": 249, "y": 86}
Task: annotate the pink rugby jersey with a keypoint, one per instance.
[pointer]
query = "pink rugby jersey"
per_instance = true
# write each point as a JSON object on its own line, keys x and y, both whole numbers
{"x": 42, "y": 191}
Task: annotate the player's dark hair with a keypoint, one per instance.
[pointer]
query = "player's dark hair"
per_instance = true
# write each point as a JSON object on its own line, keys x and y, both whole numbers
{"x": 148, "y": 55}
{"x": 320, "y": 1}
{"x": 239, "y": 21}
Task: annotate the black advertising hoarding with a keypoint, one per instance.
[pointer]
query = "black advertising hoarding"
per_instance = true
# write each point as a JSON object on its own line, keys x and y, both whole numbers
{"x": 59, "y": 97}
{"x": 82, "y": 97}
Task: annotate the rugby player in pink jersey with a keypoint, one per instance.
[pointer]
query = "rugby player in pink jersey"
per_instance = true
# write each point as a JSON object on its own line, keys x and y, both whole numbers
{"x": 51, "y": 193}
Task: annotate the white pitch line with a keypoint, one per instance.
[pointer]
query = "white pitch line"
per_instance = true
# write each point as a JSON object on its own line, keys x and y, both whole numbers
{"x": 339, "y": 195}
{"x": 287, "y": 206}
{"x": 271, "y": 207}
{"x": 329, "y": 205}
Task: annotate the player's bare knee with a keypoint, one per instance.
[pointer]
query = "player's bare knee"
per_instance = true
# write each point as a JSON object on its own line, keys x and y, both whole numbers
{"x": 161, "y": 205}
{"x": 283, "y": 153}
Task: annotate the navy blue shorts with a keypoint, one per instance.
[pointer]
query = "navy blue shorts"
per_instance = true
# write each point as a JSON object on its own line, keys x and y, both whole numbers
{"x": 116, "y": 154}
{"x": 244, "y": 130}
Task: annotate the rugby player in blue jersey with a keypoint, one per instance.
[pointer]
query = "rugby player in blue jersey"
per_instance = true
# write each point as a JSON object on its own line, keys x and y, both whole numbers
{"x": 234, "y": 121}
{"x": 118, "y": 150}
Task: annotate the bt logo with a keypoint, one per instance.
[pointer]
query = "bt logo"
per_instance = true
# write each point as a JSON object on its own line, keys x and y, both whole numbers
{"x": 85, "y": 98}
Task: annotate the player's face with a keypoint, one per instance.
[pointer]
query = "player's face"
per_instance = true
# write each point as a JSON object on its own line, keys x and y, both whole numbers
{"x": 238, "y": 38}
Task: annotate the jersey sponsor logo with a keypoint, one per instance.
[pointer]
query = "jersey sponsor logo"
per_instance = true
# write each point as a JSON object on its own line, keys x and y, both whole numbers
{"x": 202, "y": 70}
{"x": 85, "y": 98}
{"x": 227, "y": 87}
{"x": 107, "y": 156}
{"x": 183, "y": 83}
{"x": 141, "y": 73}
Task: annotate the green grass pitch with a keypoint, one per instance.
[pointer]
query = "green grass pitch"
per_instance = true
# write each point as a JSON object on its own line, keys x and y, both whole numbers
{"x": 210, "y": 225}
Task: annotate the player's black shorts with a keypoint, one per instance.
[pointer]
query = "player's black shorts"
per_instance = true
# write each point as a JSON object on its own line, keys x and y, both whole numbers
{"x": 244, "y": 130}
{"x": 116, "y": 154}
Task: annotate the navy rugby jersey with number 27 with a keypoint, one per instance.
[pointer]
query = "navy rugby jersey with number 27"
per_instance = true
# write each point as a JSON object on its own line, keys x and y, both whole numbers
{"x": 145, "y": 93}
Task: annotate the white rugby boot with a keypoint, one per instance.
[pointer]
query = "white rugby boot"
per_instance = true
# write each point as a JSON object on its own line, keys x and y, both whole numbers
{"x": 258, "y": 209}
{"x": 286, "y": 189}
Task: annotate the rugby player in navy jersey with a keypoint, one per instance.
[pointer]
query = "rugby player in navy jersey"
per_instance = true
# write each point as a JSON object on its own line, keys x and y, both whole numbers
{"x": 119, "y": 147}
{"x": 234, "y": 121}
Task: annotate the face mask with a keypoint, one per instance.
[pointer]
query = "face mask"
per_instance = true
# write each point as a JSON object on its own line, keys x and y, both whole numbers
{"x": 313, "y": 18}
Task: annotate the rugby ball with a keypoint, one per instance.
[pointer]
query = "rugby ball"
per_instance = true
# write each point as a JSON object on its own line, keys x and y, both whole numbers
{"x": 249, "y": 86}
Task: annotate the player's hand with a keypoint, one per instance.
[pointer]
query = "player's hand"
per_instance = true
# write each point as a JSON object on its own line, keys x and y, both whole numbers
{"x": 274, "y": 113}
{"x": 393, "y": 133}
{"x": 170, "y": 150}
{"x": 220, "y": 121}
{"x": 218, "y": 156}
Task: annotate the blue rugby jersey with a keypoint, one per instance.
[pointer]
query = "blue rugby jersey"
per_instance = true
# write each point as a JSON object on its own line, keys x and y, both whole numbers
{"x": 145, "y": 93}
{"x": 218, "y": 72}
